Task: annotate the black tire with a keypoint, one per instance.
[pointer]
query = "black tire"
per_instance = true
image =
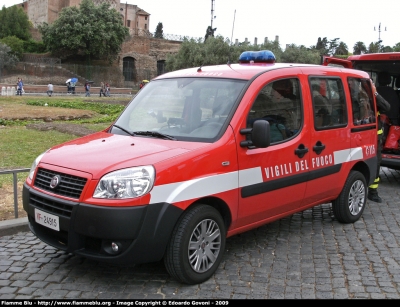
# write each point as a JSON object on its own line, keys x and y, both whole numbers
{"x": 199, "y": 235}
{"x": 350, "y": 204}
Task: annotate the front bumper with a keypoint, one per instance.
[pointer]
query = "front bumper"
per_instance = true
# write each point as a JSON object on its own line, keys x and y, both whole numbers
{"x": 142, "y": 232}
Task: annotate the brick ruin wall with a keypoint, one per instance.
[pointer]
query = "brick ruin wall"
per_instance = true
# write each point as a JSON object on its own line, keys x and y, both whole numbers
{"x": 145, "y": 52}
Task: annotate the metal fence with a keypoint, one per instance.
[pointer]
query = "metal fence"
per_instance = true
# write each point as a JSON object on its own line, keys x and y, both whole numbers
{"x": 15, "y": 172}
{"x": 37, "y": 59}
{"x": 173, "y": 37}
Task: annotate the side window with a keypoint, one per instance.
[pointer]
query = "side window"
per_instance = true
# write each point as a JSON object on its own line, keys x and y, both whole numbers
{"x": 280, "y": 104}
{"x": 361, "y": 101}
{"x": 328, "y": 102}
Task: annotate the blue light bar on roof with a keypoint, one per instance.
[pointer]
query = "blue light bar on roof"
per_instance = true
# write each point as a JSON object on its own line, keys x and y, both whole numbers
{"x": 263, "y": 56}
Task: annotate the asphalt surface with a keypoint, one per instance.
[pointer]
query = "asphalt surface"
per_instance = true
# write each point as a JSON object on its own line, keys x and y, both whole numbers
{"x": 308, "y": 255}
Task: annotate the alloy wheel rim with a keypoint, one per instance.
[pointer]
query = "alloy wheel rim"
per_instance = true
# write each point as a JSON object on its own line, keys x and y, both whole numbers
{"x": 356, "y": 197}
{"x": 204, "y": 245}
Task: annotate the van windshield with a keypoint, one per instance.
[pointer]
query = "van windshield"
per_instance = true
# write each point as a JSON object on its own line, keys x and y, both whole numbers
{"x": 186, "y": 109}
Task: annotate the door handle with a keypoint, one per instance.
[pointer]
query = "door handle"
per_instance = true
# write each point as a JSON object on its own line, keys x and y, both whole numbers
{"x": 301, "y": 151}
{"x": 319, "y": 147}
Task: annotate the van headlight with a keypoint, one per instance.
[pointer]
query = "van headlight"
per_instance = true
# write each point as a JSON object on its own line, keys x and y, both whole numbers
{"x": 126, "y": 183}
{"x": 34, "y": 166}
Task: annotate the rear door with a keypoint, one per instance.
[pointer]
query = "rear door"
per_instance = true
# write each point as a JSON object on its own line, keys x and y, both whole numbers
{"x": 363, "y": 120}
{"x": 343, "y": 117}
{"x": 330, "y": 138}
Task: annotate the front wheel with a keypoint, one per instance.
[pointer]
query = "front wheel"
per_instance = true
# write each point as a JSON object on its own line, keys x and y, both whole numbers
{"x": 350, "y": 204}
{"x": 196, "y": 246}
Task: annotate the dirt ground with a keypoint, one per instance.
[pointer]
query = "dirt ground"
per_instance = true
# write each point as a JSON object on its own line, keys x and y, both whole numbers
{"x": 48, "y": 115}
{"x": 7, "y": 200}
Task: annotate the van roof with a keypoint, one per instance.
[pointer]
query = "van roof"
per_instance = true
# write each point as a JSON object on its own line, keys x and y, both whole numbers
{"x": 235, "y": 71}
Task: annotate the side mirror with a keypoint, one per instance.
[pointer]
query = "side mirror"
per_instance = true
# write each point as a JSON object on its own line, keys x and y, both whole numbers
{"x": 260, "y": 135}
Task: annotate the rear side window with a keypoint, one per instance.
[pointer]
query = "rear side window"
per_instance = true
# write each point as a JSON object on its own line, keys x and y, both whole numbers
{"x": 280, "y": 104}
{"x": 329, "y": 103}
{"x": 361, "y": 101}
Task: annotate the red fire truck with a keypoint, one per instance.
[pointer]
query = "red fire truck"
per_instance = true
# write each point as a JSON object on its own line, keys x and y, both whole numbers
{"x": 203, "y": 154}
{"x": 384, "y": 69}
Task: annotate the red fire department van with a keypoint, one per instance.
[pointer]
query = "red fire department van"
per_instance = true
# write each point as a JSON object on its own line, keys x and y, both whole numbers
{"x": 384, "y": 69}
{"x": 202, "y": 154}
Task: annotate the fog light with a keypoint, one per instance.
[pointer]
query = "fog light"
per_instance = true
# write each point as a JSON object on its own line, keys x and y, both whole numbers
{"x": 114, "y": 247}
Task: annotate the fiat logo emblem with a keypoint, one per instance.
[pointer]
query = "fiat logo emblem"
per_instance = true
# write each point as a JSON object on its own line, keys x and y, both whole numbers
{"x": 55, "y": 181}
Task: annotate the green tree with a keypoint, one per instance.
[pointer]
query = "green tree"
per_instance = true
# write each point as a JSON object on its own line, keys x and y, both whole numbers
{"x": 94, "y": 31}
{"x": 321, "y": 46}
{"x": 32, "y": 46}
{"x": 193, "y": 53}
{"x": 7, "y": 58}
{"x": 159, "y": 31}
{"x": 359, "y": 48}
{"x": 396, "y": 48}
{"x": 374, "y": 47}
{"x": 14, "y": 22}
{"x": 332, "y": 46}
{"x": 16, "y": 45}
{"x": 342, "y": 49}
{"x": 301, "y": 54}
{"x": 386, "y": 49}
{"x": 213, "y": 51}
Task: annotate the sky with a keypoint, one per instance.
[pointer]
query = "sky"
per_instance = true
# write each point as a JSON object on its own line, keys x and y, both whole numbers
{"x": 295, "y": 22}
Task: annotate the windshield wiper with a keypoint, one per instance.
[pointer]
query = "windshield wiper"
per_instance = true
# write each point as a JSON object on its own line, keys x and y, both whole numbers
{"x": 154, "y": 134}
{"x": 123, "y": 129}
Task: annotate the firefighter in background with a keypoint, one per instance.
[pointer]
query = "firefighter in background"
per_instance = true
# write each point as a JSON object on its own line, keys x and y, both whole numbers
{"x": 383, "y": 106}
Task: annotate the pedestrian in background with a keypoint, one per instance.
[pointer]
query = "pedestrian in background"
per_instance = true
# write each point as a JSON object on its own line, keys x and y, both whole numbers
{"x": 87, "y": 89}
{"x": 72, "y": 85}
{"x": 50, "y": 89}
{"x": 102, "y": 89}
{"x": 107, "y": 87}
{"x": 20, "y": 87}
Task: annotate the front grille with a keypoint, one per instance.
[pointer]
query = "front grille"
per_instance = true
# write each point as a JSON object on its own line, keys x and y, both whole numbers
{"x": 58, "y": 208}
{"x": 69, "y": 186}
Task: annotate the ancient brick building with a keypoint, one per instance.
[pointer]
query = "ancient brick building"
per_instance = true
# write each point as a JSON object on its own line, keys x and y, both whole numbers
{"x": 141, "y": 57}
{"x": 39, "y": 11}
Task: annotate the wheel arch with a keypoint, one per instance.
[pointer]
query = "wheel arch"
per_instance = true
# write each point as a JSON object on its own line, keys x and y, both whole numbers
{"x": 364, "y": 169}
{"x": 220, "y": 205}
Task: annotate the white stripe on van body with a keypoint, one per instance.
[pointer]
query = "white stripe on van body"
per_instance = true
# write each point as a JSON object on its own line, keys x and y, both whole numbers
{"x": 211, "y": 185}
{"x": 347, "y": 155}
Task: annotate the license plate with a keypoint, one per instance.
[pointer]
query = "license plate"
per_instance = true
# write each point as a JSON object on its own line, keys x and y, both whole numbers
{"x": 47, "y": 219}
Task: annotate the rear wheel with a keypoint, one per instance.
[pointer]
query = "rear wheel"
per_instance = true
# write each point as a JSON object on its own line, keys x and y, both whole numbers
{"x": 196, "y": 246}
{"x": 350, "y": 204}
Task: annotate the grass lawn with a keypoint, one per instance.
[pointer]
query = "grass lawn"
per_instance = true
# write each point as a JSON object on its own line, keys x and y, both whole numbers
{"x": 19, "y": 146}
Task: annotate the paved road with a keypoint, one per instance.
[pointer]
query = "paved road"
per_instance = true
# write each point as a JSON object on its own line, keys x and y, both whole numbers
{"x": 306, "y": 256}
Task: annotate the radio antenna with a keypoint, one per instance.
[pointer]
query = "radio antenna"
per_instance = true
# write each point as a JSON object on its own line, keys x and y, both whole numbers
{"x": 233, "y": 26}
